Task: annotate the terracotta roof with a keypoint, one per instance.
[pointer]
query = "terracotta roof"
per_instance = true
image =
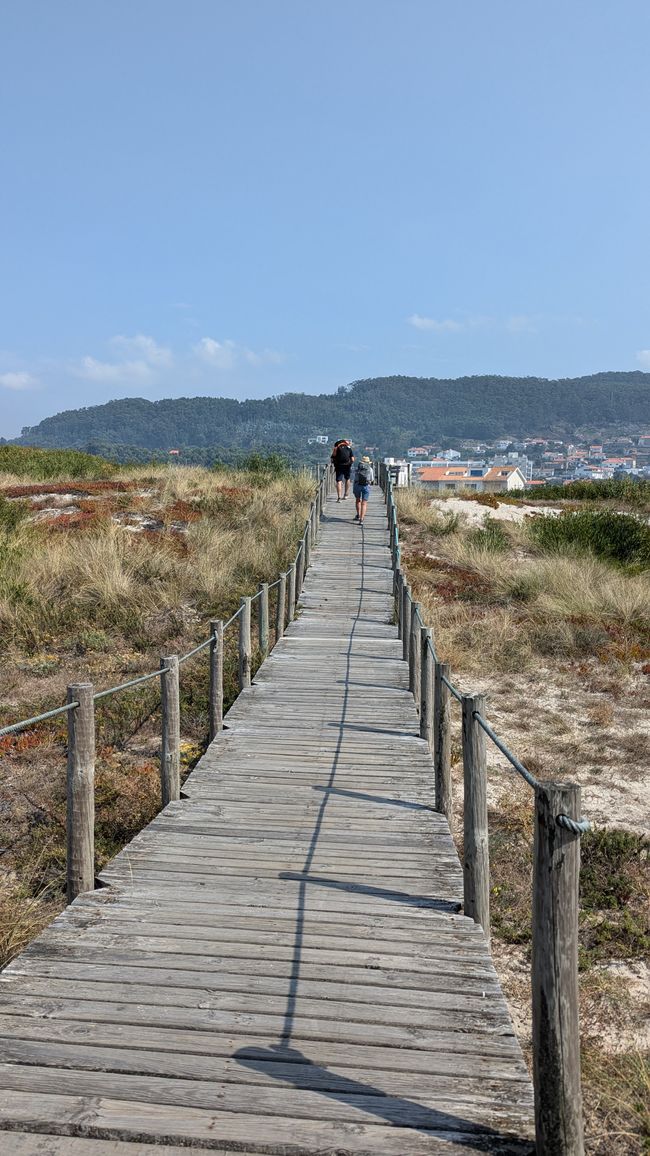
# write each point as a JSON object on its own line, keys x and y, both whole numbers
{"x": 497, "y": 472}
{"x": 462, "y": 473}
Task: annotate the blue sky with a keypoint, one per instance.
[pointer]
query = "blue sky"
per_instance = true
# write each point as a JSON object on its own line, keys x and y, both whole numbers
{"x": 245, "y": 197}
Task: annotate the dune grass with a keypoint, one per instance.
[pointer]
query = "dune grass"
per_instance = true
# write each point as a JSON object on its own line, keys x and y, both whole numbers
{"x": 85, "y": 598}
{"x": 559, "y": 640}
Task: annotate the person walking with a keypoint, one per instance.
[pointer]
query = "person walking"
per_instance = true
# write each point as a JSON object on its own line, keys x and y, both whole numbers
{"x": 364, "y": 477}
{"x": 342, "y": 460}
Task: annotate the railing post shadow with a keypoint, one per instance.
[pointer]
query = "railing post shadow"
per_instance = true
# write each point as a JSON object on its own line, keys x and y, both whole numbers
{"x": 170, "y": 749}
{"x": 476, "y": 865}
{"x": 80, "y": 820}
{"x": 556, "y": 1028}
{"x": 215, "y": 700}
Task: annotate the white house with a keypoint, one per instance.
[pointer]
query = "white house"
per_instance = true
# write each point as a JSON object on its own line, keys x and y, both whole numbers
{"x": 483, "y": 479}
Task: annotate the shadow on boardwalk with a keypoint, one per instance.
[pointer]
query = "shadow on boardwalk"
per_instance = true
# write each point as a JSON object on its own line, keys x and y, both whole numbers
{"x": 394, "y": 1110}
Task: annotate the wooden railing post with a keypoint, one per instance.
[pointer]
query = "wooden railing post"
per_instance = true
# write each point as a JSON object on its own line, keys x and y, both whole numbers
{"x": 476, "y": 866}
{"x": 263, "y": 620}
{"x": 215, "y": 704}
{"x": 426, "y": 688}
{"x": 291, "y": 593}
{"x": 280, "y": 613}
{"x": 80, "y": 821}
{"x": 170, "y": 749}
{"x": 399, "y": 598}
{"x": 306, "y": 553}
{"x": 245, "y": 648}
{"x": 556, "y": 1028}
{"x": 442, "y": 741}
{"x": 414, "y": 654}
{"x": 406, "y": 621}
{"x": 300, "y": 571}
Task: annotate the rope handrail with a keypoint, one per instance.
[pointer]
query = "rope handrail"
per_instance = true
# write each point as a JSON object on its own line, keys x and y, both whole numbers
{"x": 13, "y": 728}
{"x": 126, "y": 685}
{"x": 18, "y": 726}
{"x": 454, "y": 690}
{"x": 512, "y": 759}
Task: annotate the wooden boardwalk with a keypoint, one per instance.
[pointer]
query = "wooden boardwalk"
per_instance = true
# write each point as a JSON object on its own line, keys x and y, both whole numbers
{"x": 277, "y": 964}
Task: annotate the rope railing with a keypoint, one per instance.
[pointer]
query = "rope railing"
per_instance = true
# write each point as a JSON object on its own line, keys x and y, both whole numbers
{"x": 558, "y": 826}
{"x": 27, "y": 722}
{"x": 80, "y": 707}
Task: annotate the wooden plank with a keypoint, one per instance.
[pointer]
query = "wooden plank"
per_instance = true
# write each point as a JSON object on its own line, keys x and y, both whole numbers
{"x": 99, "y": 1115}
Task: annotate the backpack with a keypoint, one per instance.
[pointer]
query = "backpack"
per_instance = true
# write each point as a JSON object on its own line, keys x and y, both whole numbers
{"x": 343, "y": 455}
{"x": 363, "y": 474}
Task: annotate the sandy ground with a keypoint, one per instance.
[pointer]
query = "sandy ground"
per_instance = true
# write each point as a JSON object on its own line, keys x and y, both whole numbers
{"x": 474, "y": 513}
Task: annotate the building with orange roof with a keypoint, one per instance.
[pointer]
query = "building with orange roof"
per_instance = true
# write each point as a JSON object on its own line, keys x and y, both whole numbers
{"x": 483, "y": 479}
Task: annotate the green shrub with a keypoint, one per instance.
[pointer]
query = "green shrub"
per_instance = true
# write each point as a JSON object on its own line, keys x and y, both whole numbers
{"x": 612, "y": 862}
{"x": 620, "y": 538}
{"x": 29, "y": 462}
{"x": 12, "y": 513}
{"x": 271, "y": 465}
{"x": 490, "y": 536}
{"x": 632, "y": 491}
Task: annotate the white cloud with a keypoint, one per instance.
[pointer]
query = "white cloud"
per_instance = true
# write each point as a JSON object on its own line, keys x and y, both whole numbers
{"x": 116, "y": 372}
{"x": 143, "y": 347}
{"x": 431, "y": 323}
{"x": 643, "y": 357}
{"x": 226, "y": 354}
{"x": 220, "y": 354}
{"x": 18, "y": 381}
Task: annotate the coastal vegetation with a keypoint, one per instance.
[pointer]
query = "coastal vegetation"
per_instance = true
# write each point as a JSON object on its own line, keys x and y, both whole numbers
{"x": 99, "y": 577}
{"x": 548, "y": 615}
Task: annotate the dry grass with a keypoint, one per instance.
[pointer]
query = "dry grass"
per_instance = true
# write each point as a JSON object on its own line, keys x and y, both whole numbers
{"x": 560, "y": 646}
{"x": 85, "y": 598}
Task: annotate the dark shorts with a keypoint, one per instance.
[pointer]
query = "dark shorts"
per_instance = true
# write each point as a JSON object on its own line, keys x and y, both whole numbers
{"x": 343, "y": 473}
{"x": 361, "y": 492}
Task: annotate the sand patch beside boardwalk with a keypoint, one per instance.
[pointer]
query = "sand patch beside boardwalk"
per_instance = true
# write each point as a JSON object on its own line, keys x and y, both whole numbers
{"x": 474, "y": 513}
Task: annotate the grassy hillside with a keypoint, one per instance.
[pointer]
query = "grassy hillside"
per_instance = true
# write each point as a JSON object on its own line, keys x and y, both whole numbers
{"x": 389, "y": 412}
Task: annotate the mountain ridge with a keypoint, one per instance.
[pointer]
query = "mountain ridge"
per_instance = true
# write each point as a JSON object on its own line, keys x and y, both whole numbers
{"x": 388, "y": 412}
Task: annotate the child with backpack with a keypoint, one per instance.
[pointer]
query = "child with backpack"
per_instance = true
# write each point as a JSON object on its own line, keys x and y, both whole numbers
{"x": 364, "y": 477}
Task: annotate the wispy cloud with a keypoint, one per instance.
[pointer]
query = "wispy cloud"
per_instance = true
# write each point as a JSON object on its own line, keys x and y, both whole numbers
{"x": 643, "y": 358}
{"x": 431, "y": 323}
{"x": 142, "y": 358}
{"x": 144, "y": 348}
{"x": 18, "y": 381}
{"x": 113, "y": 372}
{"x": 227, "y": 354}
{"x": 515, "y": 323}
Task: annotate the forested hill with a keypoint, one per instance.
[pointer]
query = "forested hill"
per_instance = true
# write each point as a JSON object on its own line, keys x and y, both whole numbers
{"x": 387, "y": 412}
